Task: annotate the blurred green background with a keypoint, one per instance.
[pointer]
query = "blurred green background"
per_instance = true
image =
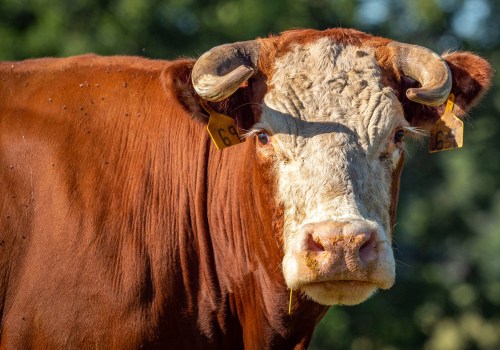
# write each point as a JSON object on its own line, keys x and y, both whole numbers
{"x": 447, "y": 242}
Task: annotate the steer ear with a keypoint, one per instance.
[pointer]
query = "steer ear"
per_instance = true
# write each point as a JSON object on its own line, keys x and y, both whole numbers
{"x": 222, "y": 79}
{"x": 471, "y": 78}
{"x": 223, "y": 75}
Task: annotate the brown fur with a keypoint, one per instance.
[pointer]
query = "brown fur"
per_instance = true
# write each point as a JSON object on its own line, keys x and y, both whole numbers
{"x": 123, "y": 227}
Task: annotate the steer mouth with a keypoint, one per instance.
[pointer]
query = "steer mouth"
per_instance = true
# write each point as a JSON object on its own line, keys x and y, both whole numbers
{"x": 332, "y": 281}
{"x": 341, "y": 292}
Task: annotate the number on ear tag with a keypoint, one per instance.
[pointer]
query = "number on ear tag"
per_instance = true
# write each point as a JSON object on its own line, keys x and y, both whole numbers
{"x": 223, "y": 130}
{"x": 448, "y": 132}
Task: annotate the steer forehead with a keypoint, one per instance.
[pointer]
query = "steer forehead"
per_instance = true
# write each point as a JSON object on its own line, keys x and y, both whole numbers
{"x": 323, "y": 88}
{"x": 331, "y": 119}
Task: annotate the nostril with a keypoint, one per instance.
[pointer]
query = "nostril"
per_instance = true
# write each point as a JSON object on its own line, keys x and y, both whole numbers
{"x": 367, "y": 252}
{"x": 313, "y": 245}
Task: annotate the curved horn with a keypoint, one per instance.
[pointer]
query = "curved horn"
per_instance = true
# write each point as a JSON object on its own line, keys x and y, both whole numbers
{"x": 219, "y": 72}
{"x": 426, "y": 67}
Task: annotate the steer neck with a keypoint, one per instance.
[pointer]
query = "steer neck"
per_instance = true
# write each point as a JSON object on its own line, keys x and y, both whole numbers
{"x": 246, "y": 234}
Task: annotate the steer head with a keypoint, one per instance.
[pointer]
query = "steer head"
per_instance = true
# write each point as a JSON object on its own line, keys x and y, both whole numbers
{"x": 330, "y": 111}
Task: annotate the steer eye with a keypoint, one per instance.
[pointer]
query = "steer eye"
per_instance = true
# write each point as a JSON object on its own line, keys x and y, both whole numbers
{"x": 399, "y": 135}
{"x": 263, "y": 137}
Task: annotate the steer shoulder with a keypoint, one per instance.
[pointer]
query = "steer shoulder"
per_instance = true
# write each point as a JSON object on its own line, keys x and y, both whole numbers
{"x": 82, "y": 161}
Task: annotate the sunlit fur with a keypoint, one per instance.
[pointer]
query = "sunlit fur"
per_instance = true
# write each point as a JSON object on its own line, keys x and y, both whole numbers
{"x": 332, "y": 124}
{"x": 123, "y": 227}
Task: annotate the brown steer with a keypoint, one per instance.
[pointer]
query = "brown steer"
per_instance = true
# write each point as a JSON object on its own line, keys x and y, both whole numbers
{"x": 123, "y": 227}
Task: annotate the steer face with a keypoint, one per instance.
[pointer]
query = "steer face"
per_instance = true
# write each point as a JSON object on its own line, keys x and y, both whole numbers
{"x": 334, "y": 145}
{"x": 329, "y": 135}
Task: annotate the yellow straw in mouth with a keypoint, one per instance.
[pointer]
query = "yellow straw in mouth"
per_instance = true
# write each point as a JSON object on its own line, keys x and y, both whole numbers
{"x": 290, "y": 303}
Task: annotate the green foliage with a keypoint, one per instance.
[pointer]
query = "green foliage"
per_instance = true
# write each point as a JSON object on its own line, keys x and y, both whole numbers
{"x": 447, "y": 244}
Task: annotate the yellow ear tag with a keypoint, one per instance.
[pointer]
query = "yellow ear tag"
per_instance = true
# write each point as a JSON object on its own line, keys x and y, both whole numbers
{"x": 448, "y": 132}
{"x": 222, "y": 129}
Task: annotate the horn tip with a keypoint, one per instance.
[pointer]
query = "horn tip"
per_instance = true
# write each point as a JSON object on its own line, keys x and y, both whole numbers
{"x": 425, "y": 97}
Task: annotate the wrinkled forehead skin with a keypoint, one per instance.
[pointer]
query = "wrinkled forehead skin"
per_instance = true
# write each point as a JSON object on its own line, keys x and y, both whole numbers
{"x": 332, "y": 152}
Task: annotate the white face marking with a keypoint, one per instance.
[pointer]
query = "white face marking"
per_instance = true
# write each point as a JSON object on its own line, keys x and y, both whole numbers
{"x": 332, "y": 125}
